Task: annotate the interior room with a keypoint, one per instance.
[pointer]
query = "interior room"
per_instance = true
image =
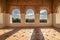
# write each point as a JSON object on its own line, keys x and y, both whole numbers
{"x": 29, "y": 19}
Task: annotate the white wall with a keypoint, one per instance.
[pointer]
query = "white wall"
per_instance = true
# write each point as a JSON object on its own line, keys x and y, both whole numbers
{"x": 24, "y": 24}
{"x": 1, "y": 19}
{"x": 57, "y": 18}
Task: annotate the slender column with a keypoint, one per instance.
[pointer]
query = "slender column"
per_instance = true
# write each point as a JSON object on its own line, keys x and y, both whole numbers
{"x": 37, "y": 19}
{"x": 22, "y": 19}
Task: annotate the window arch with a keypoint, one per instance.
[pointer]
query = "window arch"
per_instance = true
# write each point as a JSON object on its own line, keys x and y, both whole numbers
{"x": 16, "y": 16}
{"x": 30, "y": 16}
{"x": 43, "y": 16}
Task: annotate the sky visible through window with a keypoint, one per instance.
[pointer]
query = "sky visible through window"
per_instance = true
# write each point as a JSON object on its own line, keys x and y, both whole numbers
{"x": 16, "y": 14}
{"x": 43, "y": 14}
{"x": 30, "y": 14}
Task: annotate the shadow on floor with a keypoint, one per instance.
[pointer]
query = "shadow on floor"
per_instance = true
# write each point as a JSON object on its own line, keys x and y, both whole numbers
{"x": 37, "y": 34}
{"x": 8, "y": 34}
{"x": 57, "y": 29}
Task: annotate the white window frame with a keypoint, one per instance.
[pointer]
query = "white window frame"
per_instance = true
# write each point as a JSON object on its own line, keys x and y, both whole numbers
{"x": 27, "y": 18}
{"x": 12, "y": 16}
{"x": 46, "y": 18}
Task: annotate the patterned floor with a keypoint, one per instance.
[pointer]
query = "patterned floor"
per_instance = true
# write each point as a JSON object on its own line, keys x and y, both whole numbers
{"x": 30, "y": 34}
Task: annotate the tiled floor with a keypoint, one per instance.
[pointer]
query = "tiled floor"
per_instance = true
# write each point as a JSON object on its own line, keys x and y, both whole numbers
{"x": 30, "y": 34}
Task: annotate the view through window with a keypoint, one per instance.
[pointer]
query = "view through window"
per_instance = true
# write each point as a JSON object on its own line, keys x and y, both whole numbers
{"x": 30, "y": 16}
{"x": 16, "y": 16}
{"x": 43, "y": 16}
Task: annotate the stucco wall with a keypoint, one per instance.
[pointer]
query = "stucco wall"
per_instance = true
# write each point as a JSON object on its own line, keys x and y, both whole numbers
{"x": 57, "y": 18}
{"x": 1, "y": 19}
{"x": 24, "y": 24}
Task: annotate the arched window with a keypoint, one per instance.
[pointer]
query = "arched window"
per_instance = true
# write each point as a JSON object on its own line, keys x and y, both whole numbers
{"x": 30, "y": 16}
{"x": 16, "y": 16}
{"x": 43, "y": 16}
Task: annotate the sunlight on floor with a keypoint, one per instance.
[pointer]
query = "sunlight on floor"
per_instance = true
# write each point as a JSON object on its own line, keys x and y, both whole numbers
{"x": 30, "y": 34}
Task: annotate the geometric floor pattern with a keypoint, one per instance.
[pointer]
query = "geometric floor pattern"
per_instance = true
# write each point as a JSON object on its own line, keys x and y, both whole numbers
{"x": 30, "y": 34}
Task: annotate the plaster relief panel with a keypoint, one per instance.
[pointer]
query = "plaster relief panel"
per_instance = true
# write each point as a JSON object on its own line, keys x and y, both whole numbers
{"x": 58, "y": 16}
